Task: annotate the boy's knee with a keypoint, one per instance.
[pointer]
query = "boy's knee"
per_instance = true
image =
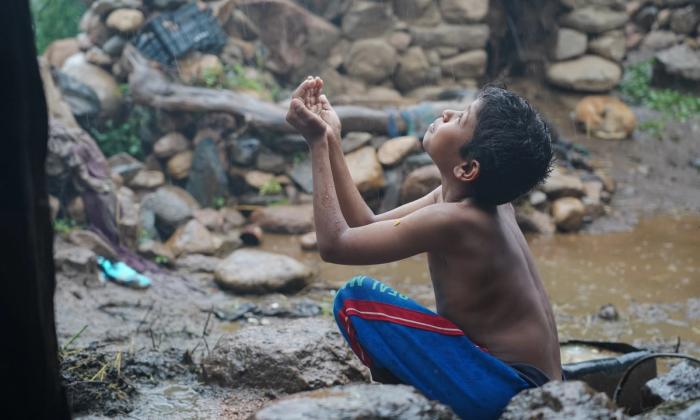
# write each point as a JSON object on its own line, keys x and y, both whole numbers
{"x": 350, "y": 290}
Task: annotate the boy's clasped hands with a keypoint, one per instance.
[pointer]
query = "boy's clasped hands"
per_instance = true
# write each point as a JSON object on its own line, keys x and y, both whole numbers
{"x": 311, "y": 113}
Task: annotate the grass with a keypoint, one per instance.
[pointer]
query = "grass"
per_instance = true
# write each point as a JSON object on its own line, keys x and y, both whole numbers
{"x": 64, "y": 226}
{"x": 672, "y": 104}
{"x": 55, "y": 19}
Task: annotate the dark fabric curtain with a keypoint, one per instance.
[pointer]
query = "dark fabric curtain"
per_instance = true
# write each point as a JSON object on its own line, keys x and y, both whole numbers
{"x": 28, "y": 348}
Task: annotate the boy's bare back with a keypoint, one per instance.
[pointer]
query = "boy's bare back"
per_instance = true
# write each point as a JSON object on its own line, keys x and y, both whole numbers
{"x": 488, "y": 286}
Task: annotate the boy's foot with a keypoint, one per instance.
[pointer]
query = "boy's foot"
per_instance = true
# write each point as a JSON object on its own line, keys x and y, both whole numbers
{"x": 122, "y": 274}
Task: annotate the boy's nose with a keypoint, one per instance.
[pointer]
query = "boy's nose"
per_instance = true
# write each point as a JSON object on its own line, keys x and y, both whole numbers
{"x": 447, "y": 114}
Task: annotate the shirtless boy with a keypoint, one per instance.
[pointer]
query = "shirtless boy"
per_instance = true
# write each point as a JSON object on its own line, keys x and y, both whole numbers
{"x": 494, "y": 333}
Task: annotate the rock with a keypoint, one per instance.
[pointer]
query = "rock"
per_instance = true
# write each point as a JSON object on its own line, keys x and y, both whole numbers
{"x": 58, "y": 51}
{"x": 570, "y": 43}
{"x": 257, "y": 179}
{"x": 420, "y": 182}
{"x": 610, "y": 4}
{"x": 371, "y": 60}
{"x": 270, "y": 162}
{"x": 592, "y": 200}
{"x": 393, "y": 151}
{"x": 170, "y": 144}
{"x": 307, "y": 40}
{"x": 365, "y": 169}
{"x": 357, "y": 401}
{"x": 228, "y": 242}
{"x": 96, "y": 56}
{"x": 659, "y": 40}
{"x": 155, "y": 249}
{"x": 413, "y": 70}
{"x": 470, "y": 64}
{"x": 253, "y": 271}
{"x": 300, "y": 172}
{"x": 535, "y": 221}
{"x": 125, "y": 20}
{"x": 366, "y": 19}
{"x": 82, "y": 100}
{"x": 588, "y": 73}
{"x": 251, "y": 235}
{"x": 76, "y": 210}
{"x": 309, "y": 242}
{"x": 594, "y": 20}
{"x": 677, "y": 64}
{"x": 74, "y": 261}
{"x": 199, "y": 68}
{"x": 232, "y": 218}
{"x": 95, "y": 29}
{"x": 207, "y": 178}
{"x": 54, "y": 206}
{"x": 210, "y": 218}
{"x": 129, "y": 222}
{"x": 463, "y": 11}
{"x": 464, "y": 37}
{"x": 302, "y": 354}
{"x": 293, "y": 219}
{"x": 646, "y": 17}
{"x": 354, "y": 140}
{"x": 92, "y": 241}
{"x": 114, "y": 45}
{"x": 559, "y": 184}
{"x": 194, "y": 263}
{"x": 605, "y": 117}
{"x": 192, "y": 238}
{"x": 147, "y": 180}
{"x": 679, "y": 384}
{"x": 170, "y": 205}
{"x": 608, "y": 313}
{"x": 99, "y": 81}
{"x": 561, "y": 400}
{"x": 102, "y": 8}
{"x": 568, "y": 213}
{"x": 179, "y": 165}
{"x": 167, "y": 4}
{"x": 289, "y": 143}
{"x": 537, "y": 198}
{"x": 243, "y": 151}
{"x": 124, "y": 165}
{"x": 417, "y": 12}
{"x": 609, "y": 45}
{"x": 673, "y": 410}
{"x": 328, "y": 9}
{"x": 685, "y": 19}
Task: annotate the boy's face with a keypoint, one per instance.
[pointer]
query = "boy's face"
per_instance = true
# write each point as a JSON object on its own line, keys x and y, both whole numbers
{"x": 448, "y": 133}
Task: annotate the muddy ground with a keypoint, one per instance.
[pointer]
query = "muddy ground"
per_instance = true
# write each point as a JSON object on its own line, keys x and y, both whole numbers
{"x": 136, "y": 354}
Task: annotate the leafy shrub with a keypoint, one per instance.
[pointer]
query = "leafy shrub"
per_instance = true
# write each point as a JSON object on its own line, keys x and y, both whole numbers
{"x": 123, "y": 137}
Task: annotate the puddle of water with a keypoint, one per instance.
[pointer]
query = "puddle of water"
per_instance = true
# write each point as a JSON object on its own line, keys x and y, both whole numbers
{"x": 174, "y": 401}
{"x": 650, "y": 274}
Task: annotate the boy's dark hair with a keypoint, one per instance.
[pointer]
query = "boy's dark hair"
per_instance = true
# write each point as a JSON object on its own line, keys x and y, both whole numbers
{"x": 512, "y": 144}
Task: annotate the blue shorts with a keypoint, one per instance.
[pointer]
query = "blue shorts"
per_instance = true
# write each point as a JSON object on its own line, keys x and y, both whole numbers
{"x": 398, "y": 338}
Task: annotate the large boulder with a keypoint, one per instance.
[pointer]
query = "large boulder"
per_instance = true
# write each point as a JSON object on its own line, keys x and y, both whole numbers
{"x": 179, "y": 165}
{"x": 678, "y": 65}
{"x": 685, "y": 19}
{"x": 462, "y": 37}
{"x": 170, "y": 144}
{"x": 561, "y": 400}
{"x": 58, "y": 51}
{"x": 169, "y": 206}
{"x": 357, "y": 401}
{"x": 413, "y": 70}
{"x": 365, "y": 169}
{"x": 393, "y": 151}
{"x": 125, "y": 20}
{"x": 207, "y": 178}
{"x": 372, "y": 60}
{"x": 299, "y": 355}
{"x": 293, "y": 35}
{"x": 94, "y": 242}
{"x": 420, "y": 182}
{"x": 293, "y": 219}
{"x": 570, "y": 43}
{"x": 366, "y": 19}
{"x": 82, "y": 100}
{"x": 197, "y": 263}
{"x": 659, "y": 40}
{"x": 568, "y": 213}
{"x": 463, "y": 11}
{"x": 193, "y": 238}
{"x": 594, "y": 20}
{"x": 253, "y": 271}
{"x": 198, "y": 68}
{"x": 589, "y": 73}
{"x": 560, "y": 184}
{"x": 104, "y": 85}
{"x": 610, "y": 45}
{"x": 471, "y": 64}
{"x": 146, "y": 179}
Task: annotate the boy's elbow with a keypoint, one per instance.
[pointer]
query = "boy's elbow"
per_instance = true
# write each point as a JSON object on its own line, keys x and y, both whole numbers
{"x": 328, "y": 252}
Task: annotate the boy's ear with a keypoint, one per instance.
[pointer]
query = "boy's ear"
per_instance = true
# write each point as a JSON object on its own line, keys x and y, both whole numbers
{"x": 467, "y": 171}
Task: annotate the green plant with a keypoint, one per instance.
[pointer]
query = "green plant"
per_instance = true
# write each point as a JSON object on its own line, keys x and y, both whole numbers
{"x": 122, "y": 137}
{"x": 654, "y": 126}
{"x": 161, "y": 259}
{"x": 213, "y": 77}
{"x": 271, "y": 187}
{"x": 219, "y": 202}
{"x": 236, "y": 78}
{"x": 55, "y": 19}
{"x": 636, "y": 87}
{"x": 64, "y": 226}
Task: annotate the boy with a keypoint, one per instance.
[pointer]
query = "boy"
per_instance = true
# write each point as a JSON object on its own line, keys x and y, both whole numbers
{"x": 495, "y": 334}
